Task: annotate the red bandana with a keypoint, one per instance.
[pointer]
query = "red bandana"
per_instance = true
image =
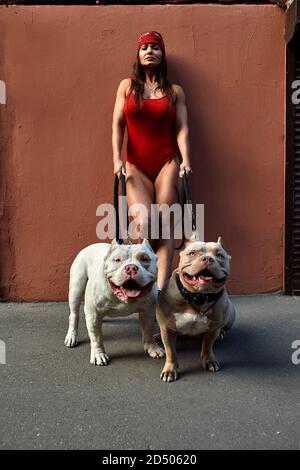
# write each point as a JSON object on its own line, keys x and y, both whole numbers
{"x": 151, "y": 36}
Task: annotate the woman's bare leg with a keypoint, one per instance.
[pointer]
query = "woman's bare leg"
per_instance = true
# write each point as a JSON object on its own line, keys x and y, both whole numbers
{"x": 140, "y": 189}
{"x": 168, "y": 190}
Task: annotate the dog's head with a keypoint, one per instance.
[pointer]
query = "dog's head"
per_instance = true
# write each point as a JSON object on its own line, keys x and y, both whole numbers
{"x": 130, "y": 270}
{"x": 204, "y": 267}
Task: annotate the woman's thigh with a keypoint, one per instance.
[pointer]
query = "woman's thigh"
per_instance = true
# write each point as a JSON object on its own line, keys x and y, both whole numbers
{"x": 140, "y": 190}
{"x": 168, "y": 191}
{"x": 168, "y": 184}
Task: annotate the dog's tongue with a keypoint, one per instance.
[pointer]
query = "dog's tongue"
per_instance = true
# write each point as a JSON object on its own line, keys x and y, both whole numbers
{"x": 131, "y": 292}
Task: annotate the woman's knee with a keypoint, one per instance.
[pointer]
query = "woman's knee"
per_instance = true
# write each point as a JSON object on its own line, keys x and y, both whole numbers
{"x": 169, "y": 216}
{"x": 140, "y": 225}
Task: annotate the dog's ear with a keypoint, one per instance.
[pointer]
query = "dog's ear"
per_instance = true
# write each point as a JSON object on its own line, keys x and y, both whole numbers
{"x": 114, "y": 242}
{"x": 220, "y": 241}
{"x": 147, "y": 244}
{"x": 188, "y": 242}
{"x": 193, "y": 238}
{"x": 112, "y": 246}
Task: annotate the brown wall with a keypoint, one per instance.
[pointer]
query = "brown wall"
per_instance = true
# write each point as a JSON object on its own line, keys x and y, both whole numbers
{"x": 62, "y": 66}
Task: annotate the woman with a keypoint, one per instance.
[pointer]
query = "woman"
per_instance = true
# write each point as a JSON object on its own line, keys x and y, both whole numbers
{"x": 158, "y": 151}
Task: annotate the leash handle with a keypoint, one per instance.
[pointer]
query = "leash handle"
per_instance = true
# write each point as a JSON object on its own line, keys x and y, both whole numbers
{"x": 116, "y": 207}
{"x": 186, "y": 187}
{"x": 120, "y": 241}
{"x": 124, "y": 206}
{"x": 186, "y": 200}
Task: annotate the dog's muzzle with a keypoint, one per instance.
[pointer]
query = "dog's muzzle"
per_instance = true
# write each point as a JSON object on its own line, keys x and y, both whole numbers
{"x": 202, "y": 277}
{"x": 130, "y": 290}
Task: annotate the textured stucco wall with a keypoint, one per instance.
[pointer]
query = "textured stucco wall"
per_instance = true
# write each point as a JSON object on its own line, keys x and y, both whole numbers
{"x": 62, "y": 66}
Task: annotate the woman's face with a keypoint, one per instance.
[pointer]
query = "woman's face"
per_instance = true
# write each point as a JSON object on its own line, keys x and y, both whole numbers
{"x": 150, "y": 54}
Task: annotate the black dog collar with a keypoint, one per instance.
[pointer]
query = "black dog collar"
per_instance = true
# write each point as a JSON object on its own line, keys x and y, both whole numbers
{"x": 197, "y": 299}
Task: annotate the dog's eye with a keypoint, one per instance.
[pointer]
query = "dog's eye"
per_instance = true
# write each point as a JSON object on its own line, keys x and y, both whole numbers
{"x": 191, "y": 253}
{"x": 145, "y": 259}
{"x": 220, "y": 256}
{"x": 117, "y": 259}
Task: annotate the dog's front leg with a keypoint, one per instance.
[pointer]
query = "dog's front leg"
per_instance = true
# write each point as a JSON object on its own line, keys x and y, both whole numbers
{"x": 207, "y": 358}
{"x": 169, "y": 372}
{"x": 71, "y": 339}
{"x": 147, "y": 322}
{"x": 94, "y": 326}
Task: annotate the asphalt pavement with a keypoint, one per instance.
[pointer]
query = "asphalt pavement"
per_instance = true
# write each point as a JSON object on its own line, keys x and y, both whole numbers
{"x": 53, "y": 398}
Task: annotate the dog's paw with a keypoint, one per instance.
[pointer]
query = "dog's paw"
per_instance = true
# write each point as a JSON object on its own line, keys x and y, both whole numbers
{"x": 154, "y": 350}
{"x": 169, "y": 373}
{"x": 211, "y": 365}
{"x": 71, "y": 340}
{"x": 99, "y": 358}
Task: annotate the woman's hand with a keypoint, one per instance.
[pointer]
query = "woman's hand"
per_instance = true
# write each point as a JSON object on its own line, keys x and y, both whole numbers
{"x": 184, "y": 168}
{"x": 119, "y": 168}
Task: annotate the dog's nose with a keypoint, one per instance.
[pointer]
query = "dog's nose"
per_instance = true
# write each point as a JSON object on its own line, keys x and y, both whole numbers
{"x": 131, "y": 269}
{"x": 207, "y": 259}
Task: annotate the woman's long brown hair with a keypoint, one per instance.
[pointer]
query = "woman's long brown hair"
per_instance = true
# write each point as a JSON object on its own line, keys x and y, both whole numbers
{"x": 138, "y": 81}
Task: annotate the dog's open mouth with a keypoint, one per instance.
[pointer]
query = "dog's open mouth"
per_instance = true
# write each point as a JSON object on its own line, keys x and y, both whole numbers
{"x": 130, "y": 289}
{"x": 203, "y": 277}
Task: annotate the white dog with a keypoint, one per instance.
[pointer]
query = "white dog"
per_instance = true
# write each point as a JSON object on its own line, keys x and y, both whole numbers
{"x": 118, "y": 280}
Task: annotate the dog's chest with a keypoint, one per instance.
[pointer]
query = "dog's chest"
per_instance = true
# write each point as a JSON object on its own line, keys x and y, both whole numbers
{"x": 191, "y": 324}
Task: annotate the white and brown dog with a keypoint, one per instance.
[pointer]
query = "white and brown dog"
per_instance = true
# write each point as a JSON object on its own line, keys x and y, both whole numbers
{"x": 118, "y": 280}
{"x": 195, "y": 302}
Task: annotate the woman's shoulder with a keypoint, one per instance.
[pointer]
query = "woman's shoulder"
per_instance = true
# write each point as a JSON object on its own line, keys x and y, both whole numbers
{"x": 178, "y": 90}
{"x": 125, "y": 85}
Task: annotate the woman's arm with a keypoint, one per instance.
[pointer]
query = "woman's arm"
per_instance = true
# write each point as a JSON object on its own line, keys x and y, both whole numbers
{"x": 118, "y": 128}
{"x": 182, "y": 130}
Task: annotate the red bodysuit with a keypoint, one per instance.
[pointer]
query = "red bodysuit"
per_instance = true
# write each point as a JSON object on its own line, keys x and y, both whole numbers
{"x": 151, "y": 134}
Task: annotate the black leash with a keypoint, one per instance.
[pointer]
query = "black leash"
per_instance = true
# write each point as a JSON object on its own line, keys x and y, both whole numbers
{"x": 186, "y": 200}
{"x": 120, "y": 241}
